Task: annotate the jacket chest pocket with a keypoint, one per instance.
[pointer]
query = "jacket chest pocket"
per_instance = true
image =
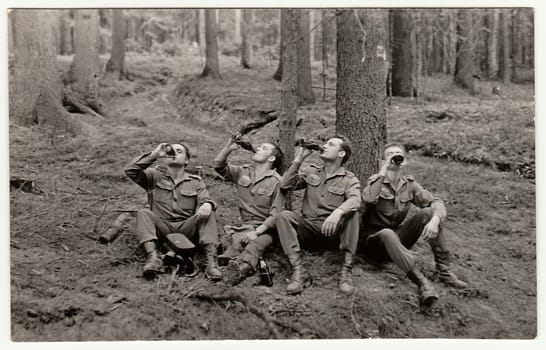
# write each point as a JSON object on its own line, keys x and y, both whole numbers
{"x": 243, "y": 189}
{"x": 163, "y": 192}
{"x": 263, "y": 196}
{"x": 336, "y": 195}
{"x": 405, "y": 201}
{"x": 385, "y": 204}
{"x": 187, "y": 199}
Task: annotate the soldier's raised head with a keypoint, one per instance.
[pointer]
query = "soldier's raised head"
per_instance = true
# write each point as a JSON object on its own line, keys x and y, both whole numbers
{"x": 337, "y": 147}
{"x": 269, "y": 152}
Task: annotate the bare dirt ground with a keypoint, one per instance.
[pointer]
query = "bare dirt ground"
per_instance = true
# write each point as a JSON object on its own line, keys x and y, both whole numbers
{"x": 67, "y": 286}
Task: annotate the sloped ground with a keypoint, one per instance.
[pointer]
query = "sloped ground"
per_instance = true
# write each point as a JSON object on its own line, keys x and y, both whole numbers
{"x": 67, "y": 286}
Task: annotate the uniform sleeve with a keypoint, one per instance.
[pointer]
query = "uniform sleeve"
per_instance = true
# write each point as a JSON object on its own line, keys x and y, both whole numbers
{"x": 203, "y": 196}
{"x": 373, "y": 189}
{"x": 291, "y": 180}
{"x": 424, "y": 199}
{"x": 230, "y": 172}
{"x": 137, "y": 170}
{"x": 279, "y": 204}
{"x": 352, "y": 195}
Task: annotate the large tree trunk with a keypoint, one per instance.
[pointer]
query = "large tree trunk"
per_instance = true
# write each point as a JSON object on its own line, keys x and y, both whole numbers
{"x": 305, "y": 83}
{"x": 278, "y": 73}
{"x": 86, "y": 71}
{"x": 360, "y": 99}
{"x": 287, "y": 116}
{"x": 402, "y": 48}
{"x": 465, "y": 61}
{"x": 212, "y": 68}
{"x": 492, "y": 43}
{"x": 246, "y": 45}
{"x": 66, "y": 33}
{"x": 11, "y": 32}
{"x": 116, "y": 63}
{"x": 504, "y": 61}
{"x": 35, "y": 87}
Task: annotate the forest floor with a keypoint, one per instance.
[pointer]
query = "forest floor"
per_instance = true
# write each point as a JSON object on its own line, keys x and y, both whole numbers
{"x": 65, "y": 285}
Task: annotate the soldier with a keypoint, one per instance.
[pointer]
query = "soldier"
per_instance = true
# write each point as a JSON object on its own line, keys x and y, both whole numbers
{"x": 329, "y": 211}
{"x": 258, "y": 194}
{"x": 178, "y": 202}
{"x": 385, "y": 234}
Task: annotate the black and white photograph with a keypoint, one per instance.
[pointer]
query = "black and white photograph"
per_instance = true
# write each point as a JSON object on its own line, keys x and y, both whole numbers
{"x": 263, "y": 173}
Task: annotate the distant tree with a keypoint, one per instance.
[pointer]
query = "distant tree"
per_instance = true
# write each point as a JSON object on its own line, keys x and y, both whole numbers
{"x": 403, "y": 46}
{"x": 516, "y": 42}
{"x": 492, "y": 24}
{"x": 197, "y": 37}
{"x": 464, "y": 64}
{"x": 246, "y": 44}
{"x": 312, "y": 35}
{"x": 66, "y": 33}
{"x": 278, "y": 73}
{"x": 287, "y": 116}
{"x": 85, "y": 71}
{"x": 35, "y": 92}
{"x": 360, "y": 99}
{"x": 504, "y": 57}
{"x": 305, "y": 83}
{"x": 212, "y": 68}
{"x": 116, "y": 63}
{"x": 324, "y": 33}
{"x": 237, "y": 22}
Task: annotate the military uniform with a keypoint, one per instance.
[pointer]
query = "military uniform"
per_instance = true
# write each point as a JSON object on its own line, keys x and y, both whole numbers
{"x": 172, "y": 204}
{"x": 385, "y": 234}
{"x": 259, "y": 199}
{"x": 323, "y": 194}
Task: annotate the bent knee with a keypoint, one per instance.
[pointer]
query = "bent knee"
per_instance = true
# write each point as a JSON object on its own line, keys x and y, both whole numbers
{"x": 387, "y": 234}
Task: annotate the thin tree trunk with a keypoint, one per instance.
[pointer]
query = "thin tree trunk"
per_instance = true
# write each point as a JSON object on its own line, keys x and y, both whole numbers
{"x": 116, "y": 63}
{"x": 246, "y": 45}
{"x": 324, "y": 32}
{"x": 516, "y": 41}
{"x": 66, "y": 34}
{"x": 35, "y": 88}
{"x": 492, "y": 43}
{"x": 504, "y": 62}
{"x": 212, "y": 68}
{"x": 287, "y": 116}
{"x": 464, "y": 64}
{"x": 360, "y": 99}
{"x": 305, "y": 83}
{"x": 238, "y": 24}
{"x": 312, "y": 35}
{"x": 197, "y": 37}
{"x": 402, "y": 48}
{"x": 86, "y": 71}
{"x": 278, "y": 73}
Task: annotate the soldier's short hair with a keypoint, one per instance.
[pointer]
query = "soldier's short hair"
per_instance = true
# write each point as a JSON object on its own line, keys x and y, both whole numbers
{"x": 279, "y": 157}
{"x": 346, "y": 146}
{"x": 393, "y": 144}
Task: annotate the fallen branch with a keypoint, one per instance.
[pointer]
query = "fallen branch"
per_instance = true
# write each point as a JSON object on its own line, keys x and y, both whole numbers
{"x": 78, "y": 106}
{"x": 270, "y": 321}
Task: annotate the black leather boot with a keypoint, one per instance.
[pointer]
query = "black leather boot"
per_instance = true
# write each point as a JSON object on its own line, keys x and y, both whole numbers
{"x": 442, "y": 266}
{"x": 345, "y": 276}
{"x": 153, "y": 264}
{"x": 237, "y": 271}
{"x": 427, "y": 294}
{"x": 300, "y": 278}
{"x": 212, "y": 271}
